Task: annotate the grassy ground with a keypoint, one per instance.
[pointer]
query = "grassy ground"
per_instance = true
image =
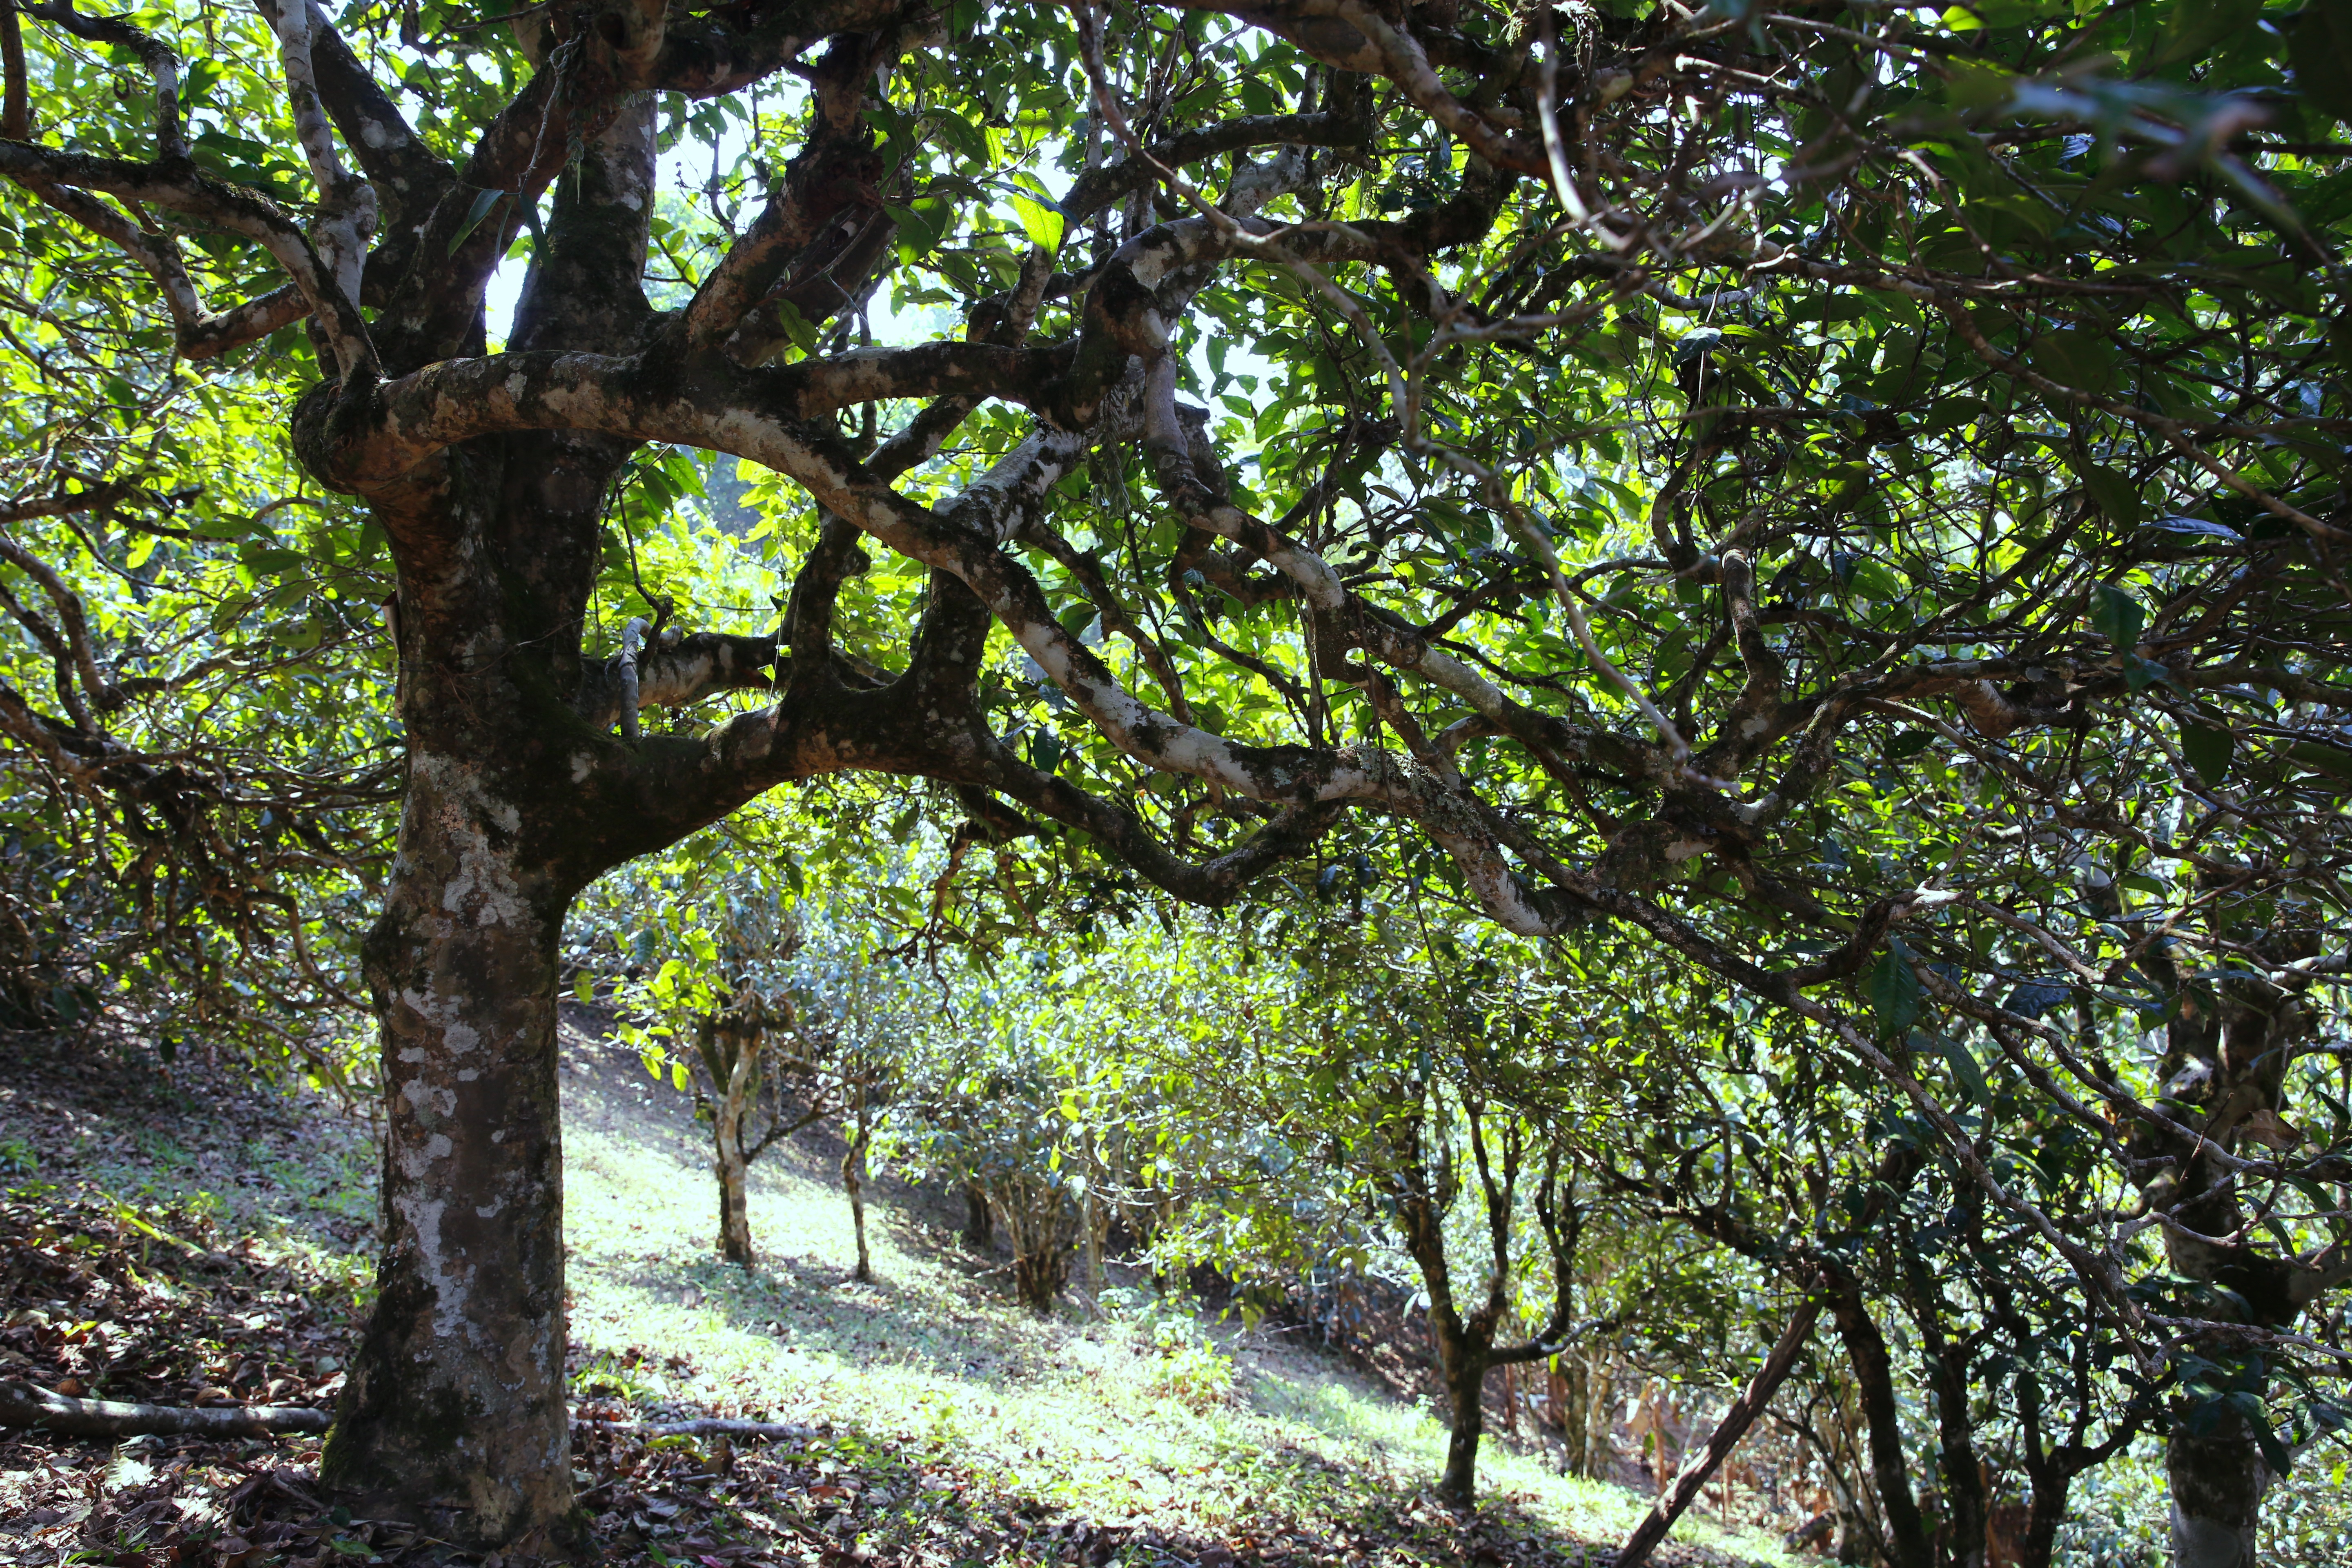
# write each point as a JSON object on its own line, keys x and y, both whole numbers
{"x": 199, "y": 1240}
{"x": 1122, "y": 1419}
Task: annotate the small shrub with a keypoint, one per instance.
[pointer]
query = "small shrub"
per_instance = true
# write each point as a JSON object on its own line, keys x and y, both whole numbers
{"x": 1198, "y": 1378}
{"x": 1186, "y": 1365}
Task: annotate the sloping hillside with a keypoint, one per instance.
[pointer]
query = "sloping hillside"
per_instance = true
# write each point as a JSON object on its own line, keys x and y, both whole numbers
{"x": 1115, "y": 1420}
{"x": 196, "y": 1238}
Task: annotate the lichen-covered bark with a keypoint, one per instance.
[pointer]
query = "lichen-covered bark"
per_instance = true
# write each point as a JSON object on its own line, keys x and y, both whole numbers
{"x": 455, "y": 1415}
{"x": 2218, "y": 1477}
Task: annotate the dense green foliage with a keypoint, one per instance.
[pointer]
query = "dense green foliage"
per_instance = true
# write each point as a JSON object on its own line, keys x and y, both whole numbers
{"x": 202, "y": 753}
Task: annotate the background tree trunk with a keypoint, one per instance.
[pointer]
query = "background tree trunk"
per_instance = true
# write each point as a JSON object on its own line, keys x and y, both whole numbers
{"x": 1091, "y": 1218}
{"x": 1465, "y": 1383}
{"x": 1038, "y": 1277}
{"x": 852, "y": 1181}
{"x": 731, "y": 1164}
{"x": 979, "y": 1231}
{"x": 1596, "y": 1385}
{"x": 1875, "y": 1375}
{"x": 1462, "y": 1358}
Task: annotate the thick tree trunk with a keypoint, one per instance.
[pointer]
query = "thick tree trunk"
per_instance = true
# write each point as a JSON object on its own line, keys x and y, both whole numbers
{"x": 518, "y": 793}
{"x": 2217, "y": 1481}
{"x": 454, "y": 1414}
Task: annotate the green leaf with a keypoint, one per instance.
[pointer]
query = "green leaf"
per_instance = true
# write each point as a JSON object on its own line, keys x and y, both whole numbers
{"x": 2207, "y": 749}
{"x": 2320, "y": 51}
{"x": 1975, "y": 86}
{"x": 2324, "y": 758}
{"x": 1966, "y": 1070}
{"x": 798, "y": 328}
{"x": 920, "y": 227}
{"x": 2085, "y": 361}
{"x": 2112, "y": 494}
{"x": 1042, "y": 224}
{"x": 1894, "y": 992}
{"x": 2198, "y": 25}
{"x": 2282, "y": 1460}
{"x": 475, "y": 213}
{"x": 2117, "y": 615}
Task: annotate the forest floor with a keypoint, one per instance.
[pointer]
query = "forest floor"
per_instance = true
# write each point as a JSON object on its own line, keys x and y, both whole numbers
{"x": 203, "y": 1241}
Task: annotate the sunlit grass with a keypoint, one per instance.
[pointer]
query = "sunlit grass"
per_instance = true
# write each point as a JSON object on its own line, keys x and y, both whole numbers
{"x": 1077, "y": 1412}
